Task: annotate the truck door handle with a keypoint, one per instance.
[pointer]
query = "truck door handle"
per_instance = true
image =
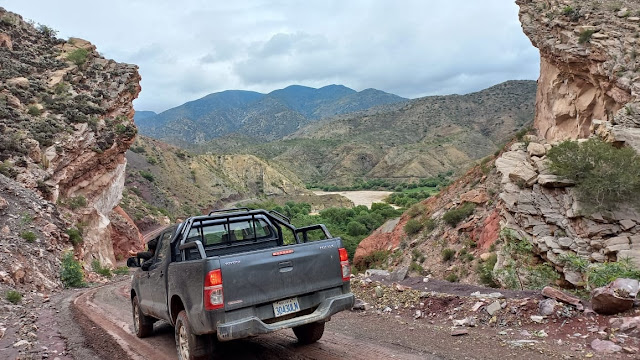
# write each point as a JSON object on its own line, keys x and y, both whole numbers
{"x": 285, "y": 266}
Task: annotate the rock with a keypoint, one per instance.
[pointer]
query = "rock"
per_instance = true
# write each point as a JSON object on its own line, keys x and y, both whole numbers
{"x": 5, "y": 41}
{"x": 486, "y": 256}
{"x": 535, "y": 149}
{"x": 476, "y": 196}
{"x": 493, "y": 308}
{"x": 469, "y": 321}
{"x": 633, "y": 19}
{"x": 605, "y": 346}
{"x": 493, "y": 295}
{"x": 360, "y": 305}
{"x": 556, "y": 294}
{"x": 537, "y": 319}
{"x": 523, "y": 173}
{"x": 386, "y": 310}
{"x": 547, "y": 307}
{"x": 400, "y": 288}
{"x": 399, "y": 274}
{"x": 612, "y": 299}
{"x": 376, "y": 272}
{"x": 627, "y": 224}
{"x": 20, "y": 82}
{"x": 553, "y": 181}
{"x": 573, "y": 277}
{"x": 3, "y": 203}
{"x": 477, "y": 306}
{"x": 459, "y": 331}
{"x": 630, "y": 349}
{"x": 378, "y": 292}
{"x": 21, "y": 343}
{"x": 2, "y": 332}
{"x": 627, "y": 325}
{"x": 630, "y": 286}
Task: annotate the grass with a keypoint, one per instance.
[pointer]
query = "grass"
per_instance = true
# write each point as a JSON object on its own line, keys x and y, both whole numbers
{"x": 454, "y": 216}
{"x": 122, "y": 270}
{"x": 98, "y": 268}
{"x": 448, "y": 254}
{"x": 29, "y": 236}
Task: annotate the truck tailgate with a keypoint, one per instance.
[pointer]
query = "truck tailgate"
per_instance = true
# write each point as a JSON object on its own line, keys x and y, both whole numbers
{"x": 281, "y": 272}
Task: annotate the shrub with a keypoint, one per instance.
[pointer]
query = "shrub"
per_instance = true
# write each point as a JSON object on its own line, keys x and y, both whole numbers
{"x": 415, "y": 210}
{"x": 34, "y": 110}
{"x": 448, "y": 254}
{"x": 98, "y": 268}
{"x": 78, "y": 56}
{"x": 602, "y": 274}
{"x": 151, "y": 160}
{"x": 77, "y": 202}
{"x": 417, "y": 256}
{"x": 374, "y": 260}
{"x": 13, "y": 296}
{"x": 355, "y": 228}
{"x": 429, "y": 225}
{"x": 138, "y": 149}
{"x": 485, "y": 271}
{"x": 47, "y": 31}
{"x": 29, "y": 236}
{"x": 71, "y": 273}
{"x": 122, "y": 270}
{"x": 412, "y": 227}
{"x": 147, "y": 175}
{"x": 453, "y": 277}
{"x": 605, "y": 176}
{"x": 454, "y": 216}
{"x": 415, "y": 267}
{"x": 75, "y": 236}
{"x": 585, "y": 36}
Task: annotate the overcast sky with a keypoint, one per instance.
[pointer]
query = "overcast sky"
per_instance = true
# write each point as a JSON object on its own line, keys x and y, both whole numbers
{"x": 189, "y": 48}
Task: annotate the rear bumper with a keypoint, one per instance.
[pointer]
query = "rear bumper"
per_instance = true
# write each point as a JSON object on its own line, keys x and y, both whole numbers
{"x": 253, "y": 326}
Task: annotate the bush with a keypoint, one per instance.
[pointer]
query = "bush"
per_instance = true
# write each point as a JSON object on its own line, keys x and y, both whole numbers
{"x": 375, "y": 260}
{"x": 602, "y": 274}
{"x": 453, "y": 277}
{"x": 605, "y": 176}
{"x": 75, "y": 236}
{"x": 355, "y": 228}
{"x": 78, "y": 56}
{"x": 29, "y": 236}
{"x": 138, "y": 149}
{"x": 454, "y": 216}
{"x": 77, "y": 202}
{"x": 71, "y": 273}
{"x": 485, "y": 271}
{"x": 34, "y": 110}
{"x": 448, "y": 254}
{"x": 122, "y": 270}
{"x": 98, "y": 268}
{"x": 415, "y": 267}
{"x": 13, "y": 297}
{"x": 412, "y": 227}
{"x": 585, "y": 36}
{"x": 415, "y": 210}
{"x": 147, "y": 175}
{"x": 47, "y": 31}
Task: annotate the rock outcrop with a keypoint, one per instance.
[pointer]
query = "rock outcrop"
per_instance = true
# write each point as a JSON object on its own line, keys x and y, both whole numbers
{"x": 587, "y": 67}
{"x": 65, "y": 124}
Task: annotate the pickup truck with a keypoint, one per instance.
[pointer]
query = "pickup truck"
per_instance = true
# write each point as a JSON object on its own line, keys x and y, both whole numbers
{"x": 237, "y": 273}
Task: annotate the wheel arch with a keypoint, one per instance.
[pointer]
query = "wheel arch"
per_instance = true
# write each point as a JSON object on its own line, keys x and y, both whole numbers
{"x": 175, "y": 306}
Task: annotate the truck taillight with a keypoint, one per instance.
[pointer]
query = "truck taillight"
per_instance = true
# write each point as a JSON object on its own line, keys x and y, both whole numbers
{"x": 213, "y": 298}
{"x": 344, "y": 264}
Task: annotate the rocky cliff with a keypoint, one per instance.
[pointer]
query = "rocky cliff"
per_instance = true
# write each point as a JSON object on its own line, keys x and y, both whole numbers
{"x": 511, "y": 203}
{"x": 66, "y": 121}
{"x": 588, "y": 67}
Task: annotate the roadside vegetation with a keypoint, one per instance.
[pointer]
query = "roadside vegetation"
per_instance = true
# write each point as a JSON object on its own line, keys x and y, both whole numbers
{"x": 352, "y": 225}
{"x": 71, "y": 272}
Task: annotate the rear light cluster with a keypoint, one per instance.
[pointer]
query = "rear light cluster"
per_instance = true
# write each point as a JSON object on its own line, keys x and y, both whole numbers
{"x": 344, "y": 264}
{"x": 213, "y": 298}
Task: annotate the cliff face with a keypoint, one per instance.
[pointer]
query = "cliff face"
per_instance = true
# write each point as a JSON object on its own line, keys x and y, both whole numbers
{"x": 65, "y": 124}
{"x": 588, "y": 67}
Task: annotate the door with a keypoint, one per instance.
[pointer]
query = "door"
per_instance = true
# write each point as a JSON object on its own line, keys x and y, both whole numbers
{"x": 145, "y": 294}
{"x": 157, "y": 277}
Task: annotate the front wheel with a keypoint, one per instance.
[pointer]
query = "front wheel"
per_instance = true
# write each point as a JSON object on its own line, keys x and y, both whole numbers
{"x": 309, "y": 333}
{"x": 142, "y": 324}
{"x": 189, "y": 345}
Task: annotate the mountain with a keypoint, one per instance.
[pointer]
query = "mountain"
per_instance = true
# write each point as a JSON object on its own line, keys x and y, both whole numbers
{"x": 260, "y": 116}
{"x": 141, "y": 116}
{"x": 414, "y": 139}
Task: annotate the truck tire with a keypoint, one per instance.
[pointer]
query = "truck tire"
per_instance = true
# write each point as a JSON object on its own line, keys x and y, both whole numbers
{"x": 309, "y": 333}
{"x": 142, "y": 324}
{"x": 189, "y": 345}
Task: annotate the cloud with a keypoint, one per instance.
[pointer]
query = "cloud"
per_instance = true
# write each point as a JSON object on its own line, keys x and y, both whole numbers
{"x": 190, "y": 48}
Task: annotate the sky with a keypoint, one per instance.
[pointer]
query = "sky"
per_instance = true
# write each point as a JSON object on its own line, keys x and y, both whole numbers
{"x": 190, "y": 48}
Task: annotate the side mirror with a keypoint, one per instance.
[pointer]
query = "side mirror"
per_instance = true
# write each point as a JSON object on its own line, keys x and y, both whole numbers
{"x": 132, "y": 262}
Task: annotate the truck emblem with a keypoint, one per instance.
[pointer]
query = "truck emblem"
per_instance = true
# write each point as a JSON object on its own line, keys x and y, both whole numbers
{"x": 232, "y": 262}
{"x": 234, "y": 302}
{"x": 323, "y": 247}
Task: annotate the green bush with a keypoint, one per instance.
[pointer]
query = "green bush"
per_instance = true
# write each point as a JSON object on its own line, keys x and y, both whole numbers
{"x": 71, "y": 273}
{"x": 147, "y": 175}
{"x": 47, "y": 31}
{"x": 98, "y": 268}
{"x": 77, "y": 202}
{"x": 355, "y": 228}
{"x": 453, "y": 277}
{"x": 29, "y": 236}
{"x": 78, "y": 56}
{"x": 75, "y": 236}
{"x": 412, "y": 226}
{"x": 122, "y": 270}
{"x": 34, "y": 110}
{"x": 454, "y": 216}
{"x": 485, "y": 271}
{"x": 415, "y": 267}
{"x": 585, "y": 36}
{"x": 605, "y": 176}
{"x": 416, "y": 210}
{"x": 13, "y": 296}
{"x": 602, "y": 274}
{"x": 448, "y": 254}
{"x": 375, "y": 260}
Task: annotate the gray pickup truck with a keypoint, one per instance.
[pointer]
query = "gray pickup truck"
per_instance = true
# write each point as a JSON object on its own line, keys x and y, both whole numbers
{"x": 237, "y": 273}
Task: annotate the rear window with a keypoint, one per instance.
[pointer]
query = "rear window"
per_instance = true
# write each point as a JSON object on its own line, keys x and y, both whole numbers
{"x": 226, "y": 233}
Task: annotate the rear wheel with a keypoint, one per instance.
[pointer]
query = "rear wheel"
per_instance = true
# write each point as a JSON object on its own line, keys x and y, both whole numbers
{"x": 189, "y": 345}
{"x": 309, "y": 333}
{"x": 142, "y": 324}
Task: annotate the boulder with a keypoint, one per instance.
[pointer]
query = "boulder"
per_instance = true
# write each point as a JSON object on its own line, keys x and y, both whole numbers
{"x": 376, "y": 272}
{"x": 476, "y": 196}
{"x": 614, "y": 298}
{"x": 535, "y": 149}
{"x": 547, "y": 307}
{"x": 399, "y": 274}
{"x": 556, "y": 294}
{"x": 523, "y": 173}
{"x": 627, "y": 325}
{"x": 553, "y": 181}
{"x": 493, "y": 307}
{"x": 605, "y": 346}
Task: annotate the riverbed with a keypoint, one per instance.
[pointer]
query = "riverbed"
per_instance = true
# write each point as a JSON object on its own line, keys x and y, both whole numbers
{"x": 364, "y": 197}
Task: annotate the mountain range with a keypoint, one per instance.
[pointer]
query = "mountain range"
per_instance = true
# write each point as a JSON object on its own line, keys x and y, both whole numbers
{"x": 260, "y": 116}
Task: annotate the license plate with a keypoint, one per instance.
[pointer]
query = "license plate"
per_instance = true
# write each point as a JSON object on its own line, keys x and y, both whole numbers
{"x": 285, "y": 307}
